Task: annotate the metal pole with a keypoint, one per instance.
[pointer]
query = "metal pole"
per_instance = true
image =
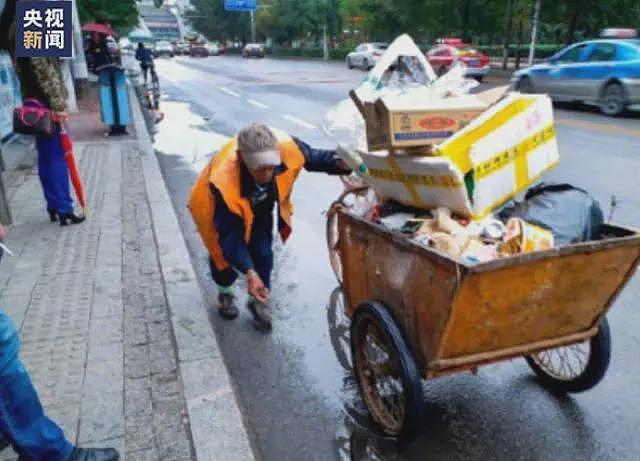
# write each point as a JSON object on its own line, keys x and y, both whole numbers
{"x": 253, "y": 27}
{"x": 325, "y": 43}
{"x": 534, "y": 31}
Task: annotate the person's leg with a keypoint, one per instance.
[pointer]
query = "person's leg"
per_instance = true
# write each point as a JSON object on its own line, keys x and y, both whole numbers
{"x": 224, "y": 280}
{"x": 44, "y": 172}
{"x": 22, "y": 420}
{"x": 60, "y": 176}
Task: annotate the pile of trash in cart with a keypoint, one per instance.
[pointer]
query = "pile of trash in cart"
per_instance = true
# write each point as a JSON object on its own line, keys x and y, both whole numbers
{"x": 550, "y": 215}
{"x": 445, "y": 166}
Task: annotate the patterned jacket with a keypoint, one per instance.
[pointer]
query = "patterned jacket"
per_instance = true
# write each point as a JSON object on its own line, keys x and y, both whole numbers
{"x": 41, "y": 78}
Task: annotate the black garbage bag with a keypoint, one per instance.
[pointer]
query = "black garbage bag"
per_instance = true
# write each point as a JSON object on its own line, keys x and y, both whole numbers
{"x": 570, "y": 213}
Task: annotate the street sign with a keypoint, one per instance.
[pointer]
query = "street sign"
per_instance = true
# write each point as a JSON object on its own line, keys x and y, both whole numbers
{"x": 240, "y": 5}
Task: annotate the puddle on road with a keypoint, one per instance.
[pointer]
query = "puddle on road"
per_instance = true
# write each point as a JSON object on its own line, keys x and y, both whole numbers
{"x": 185, "y": 134}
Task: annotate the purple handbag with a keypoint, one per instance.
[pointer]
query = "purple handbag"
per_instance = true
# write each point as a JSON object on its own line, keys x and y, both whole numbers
{"x": 33, "y": 118}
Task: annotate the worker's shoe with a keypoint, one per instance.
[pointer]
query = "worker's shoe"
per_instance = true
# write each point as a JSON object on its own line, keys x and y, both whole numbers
{"x": 261, "y": 315}
{"x": 227, "y": 306}
{"x": 94, "y": 454}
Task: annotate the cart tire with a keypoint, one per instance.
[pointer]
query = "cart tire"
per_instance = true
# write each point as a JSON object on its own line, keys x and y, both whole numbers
{"x": 374, "y": 319}
{"x": 596, "y": 363}
{"x": 339, "y": 328}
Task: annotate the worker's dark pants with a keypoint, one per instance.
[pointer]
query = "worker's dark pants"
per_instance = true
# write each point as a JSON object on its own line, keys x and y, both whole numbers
{"x": 261, "y": 252}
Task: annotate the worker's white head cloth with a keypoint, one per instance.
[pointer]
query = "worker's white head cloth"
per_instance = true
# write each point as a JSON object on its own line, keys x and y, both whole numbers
{"x": 258, "y": 147}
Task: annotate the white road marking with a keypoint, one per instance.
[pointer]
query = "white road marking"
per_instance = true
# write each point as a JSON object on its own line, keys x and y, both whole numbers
{"x": 228, "y": 91}
{"x": 258, "y": 104}
{"x": 300, "y": 122}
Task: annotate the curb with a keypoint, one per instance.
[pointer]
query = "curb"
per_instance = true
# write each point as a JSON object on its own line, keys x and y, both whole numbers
{"x": 217, "y": 427}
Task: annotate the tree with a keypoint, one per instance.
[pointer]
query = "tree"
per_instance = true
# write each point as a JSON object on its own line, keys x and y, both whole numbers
{"x": 117, "y": 13}
{"x": 211, "y": 19}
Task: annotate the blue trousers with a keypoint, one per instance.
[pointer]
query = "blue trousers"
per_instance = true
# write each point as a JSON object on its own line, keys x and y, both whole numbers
{"x": 54, "y": 174}
{"x": 261, "y": 252}
{"x": 22, "y": 420}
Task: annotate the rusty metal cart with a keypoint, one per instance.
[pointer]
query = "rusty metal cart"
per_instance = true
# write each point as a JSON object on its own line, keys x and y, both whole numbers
{"x": 417, "y": 313}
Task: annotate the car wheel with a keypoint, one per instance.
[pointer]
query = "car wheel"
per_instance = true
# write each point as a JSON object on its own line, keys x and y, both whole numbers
{"x": 366, "y": 65}
{"x": 525, "y": 85}
{"x": 349, "y": 63}
{"x": 613, "y": 100}
{"x": 479, "y": 78}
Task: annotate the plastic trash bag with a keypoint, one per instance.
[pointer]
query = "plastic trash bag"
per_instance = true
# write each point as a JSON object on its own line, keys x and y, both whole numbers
{"x": 570, "y": 213}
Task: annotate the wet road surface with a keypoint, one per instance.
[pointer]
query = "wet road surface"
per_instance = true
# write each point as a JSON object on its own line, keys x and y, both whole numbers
{"x": 299, "y": 402}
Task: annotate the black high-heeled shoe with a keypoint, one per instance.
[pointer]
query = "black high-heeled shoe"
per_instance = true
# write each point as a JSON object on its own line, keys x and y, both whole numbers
{"x": 66, "y": 218}
{"x": 53, "y": 215}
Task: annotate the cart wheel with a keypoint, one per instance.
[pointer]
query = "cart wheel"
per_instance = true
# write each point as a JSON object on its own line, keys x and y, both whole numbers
{"x": 385, "y": 370}
{"x": 339, "y": 328}
{"x": 575, "y": 368}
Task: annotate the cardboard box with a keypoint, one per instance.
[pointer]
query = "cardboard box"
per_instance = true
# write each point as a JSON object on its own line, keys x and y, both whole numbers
{"x": 496, "y": 156}
{"x": 417, "y": 119}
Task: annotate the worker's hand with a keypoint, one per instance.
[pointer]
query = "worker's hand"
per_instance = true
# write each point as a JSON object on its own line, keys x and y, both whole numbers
{"x": 3, "y": 232}
{"x": 256, "y": 288}
{"x": 61, "y": 117}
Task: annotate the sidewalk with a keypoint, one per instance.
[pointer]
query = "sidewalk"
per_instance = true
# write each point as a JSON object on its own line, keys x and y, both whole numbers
{"x": 114, "y": 330}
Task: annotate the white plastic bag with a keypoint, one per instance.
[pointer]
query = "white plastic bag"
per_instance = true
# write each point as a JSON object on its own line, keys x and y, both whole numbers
{"x": 403, "y": 69}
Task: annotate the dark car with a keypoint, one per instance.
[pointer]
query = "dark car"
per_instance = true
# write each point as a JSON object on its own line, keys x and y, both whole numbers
{"x": 199, "y": 49}
{"x": 253, "y": 50}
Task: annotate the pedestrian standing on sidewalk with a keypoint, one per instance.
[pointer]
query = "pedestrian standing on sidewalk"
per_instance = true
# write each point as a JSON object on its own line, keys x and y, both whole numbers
{"x": 42, "y": 85}
{"x": 22, "y": 420}
{"x": 232, "y": 205}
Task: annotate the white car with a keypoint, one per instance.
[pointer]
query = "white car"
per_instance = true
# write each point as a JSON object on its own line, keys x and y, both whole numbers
{"x": 163, "y": 48}
{"x": 366, "y": 55}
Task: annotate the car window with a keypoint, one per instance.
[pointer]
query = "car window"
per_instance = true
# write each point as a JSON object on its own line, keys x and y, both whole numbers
{"x": 602, "y": 52}
{"x": 628, "y": 53}
{"x": 380, "y": 46}
{"x": 572, "y": 55}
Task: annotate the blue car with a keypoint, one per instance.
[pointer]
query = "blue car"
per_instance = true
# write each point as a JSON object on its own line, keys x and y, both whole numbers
{"x": 602, "y": 72}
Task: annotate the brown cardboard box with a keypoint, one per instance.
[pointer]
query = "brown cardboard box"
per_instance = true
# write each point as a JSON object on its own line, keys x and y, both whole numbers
{"x": 416, "y": 120}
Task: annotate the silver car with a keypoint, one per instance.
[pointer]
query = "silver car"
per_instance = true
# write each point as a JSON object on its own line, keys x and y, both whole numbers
{"x": 602, "y": 72}
{"x": 366, "y": 55}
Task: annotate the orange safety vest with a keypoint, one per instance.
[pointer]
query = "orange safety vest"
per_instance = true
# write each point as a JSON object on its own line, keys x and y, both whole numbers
{"x": 224, "y": 173}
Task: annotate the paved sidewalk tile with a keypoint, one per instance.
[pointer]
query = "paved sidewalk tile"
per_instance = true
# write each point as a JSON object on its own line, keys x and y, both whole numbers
{"x": 95, "y": 323}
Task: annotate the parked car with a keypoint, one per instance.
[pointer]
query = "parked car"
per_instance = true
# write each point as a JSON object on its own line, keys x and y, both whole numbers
{"x": 181, "y": 48}
{"x": 366, "y": 55}
{"x": 198, "y": 49}
{"x": 253, "y": 49}
{"x": 602, "y": 72}
{"x": 452, "y": 51}
{"x": 163, "y": 48}
{"x": 214, "y": 49}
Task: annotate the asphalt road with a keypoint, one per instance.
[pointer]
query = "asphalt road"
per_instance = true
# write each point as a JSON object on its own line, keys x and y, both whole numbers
{"x": 298, "y": 401}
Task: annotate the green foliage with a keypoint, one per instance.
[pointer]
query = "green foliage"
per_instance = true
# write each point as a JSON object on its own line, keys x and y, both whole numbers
{"x": 119, "y": 13}
{"x": 482, "y": 22}
{"x": 211, "y": 19}
{"x": 542, "y": 50}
